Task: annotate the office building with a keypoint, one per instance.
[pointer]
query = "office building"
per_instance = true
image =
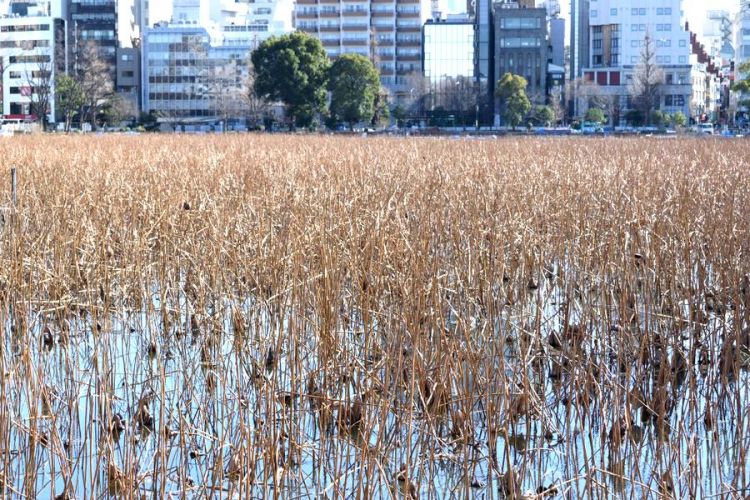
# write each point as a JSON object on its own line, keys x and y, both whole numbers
{"x": 111, "y": 26}
{"x": 557, "y": 41}
{"x": 188, "y": 74}
{"x": 450, "y": 70}
{"x": 521, "y": 46}
{"x": 618, "y": 30}
{"x": 195, "y": 68}
{"x": 389, "y": 32}
{"x": 742, "y": 34}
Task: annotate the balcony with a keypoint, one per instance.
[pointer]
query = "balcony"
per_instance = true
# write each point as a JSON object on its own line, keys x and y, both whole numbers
{"x": 329, "y": 29}
{"x": 331, "y": 42}
{"x": 307, "y": 2}
{"x": 329, "y": 13}
{"x": 409, "y": 43}
{"x": 409, "y": 57}
{"x": 380, "y": 13}
{"x": 384, "y": 28}
{"x": 409, "y": 29}
{"x": 408, "y": 15}
{"x": 308, "y": 29}
{"x": 306, "y": 15}
{"x": 355, "y": 27}
{"x": 354, "y": 41}
{"x": 354, "y": 12}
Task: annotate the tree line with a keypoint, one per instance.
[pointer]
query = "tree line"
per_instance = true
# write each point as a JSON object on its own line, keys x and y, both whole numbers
{"x": 295, "y": 69}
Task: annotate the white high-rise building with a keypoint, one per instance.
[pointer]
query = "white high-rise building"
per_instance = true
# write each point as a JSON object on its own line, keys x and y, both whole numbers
{"x": 30, "y": 34}
{"x": 742, "y": 33}
{"x": 274, "y": 15}
{"x": 717, "y": 34}
{"x": 387, "y": 31}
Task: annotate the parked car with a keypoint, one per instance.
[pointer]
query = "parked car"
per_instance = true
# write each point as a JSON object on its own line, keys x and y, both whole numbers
{"x": 588, "y": 128}
{"x": 704, "y": 128}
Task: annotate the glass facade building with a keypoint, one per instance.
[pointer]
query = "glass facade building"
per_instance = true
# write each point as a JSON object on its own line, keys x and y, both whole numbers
{"x": 450, "y": 68}
{"x": 189, "y": 79}
{"x": 448, "y": 50}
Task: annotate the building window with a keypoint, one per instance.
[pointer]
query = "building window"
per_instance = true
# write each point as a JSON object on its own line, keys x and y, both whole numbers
{"x": 24, "y": 27}
{"x": 683, "y": 59}
{"x": 683, "y": 43}
{"x": 516, "y": 42}
{"x": 676, "y": 100}
{"x": 594, "y": 13}
{"x": 612, "y": 12}
{"x": 515, "y": 23}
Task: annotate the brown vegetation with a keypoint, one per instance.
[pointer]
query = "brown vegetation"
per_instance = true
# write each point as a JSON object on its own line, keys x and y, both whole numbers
{"x": 305, "y": 316}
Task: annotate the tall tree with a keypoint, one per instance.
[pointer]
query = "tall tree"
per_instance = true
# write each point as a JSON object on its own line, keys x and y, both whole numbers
{"x": 557, "y": 105}
{"x": 226, "y": 87}
{"x": 416, "y": 95}
{"x": 293, "y": 69}
{"x": 645, "y": 87}
{"x": 354, "y": 84}
{"x": 514, "y": 104}
{"x": 586, "y": 94}
{"x": 95, "y": 79}
{"x": 70, "y": 98}
{"x": 742, "y": 83}
{"x": 542, "y": 116}
{"x": 39, "y": 88}
{"x": 257, "y": 106}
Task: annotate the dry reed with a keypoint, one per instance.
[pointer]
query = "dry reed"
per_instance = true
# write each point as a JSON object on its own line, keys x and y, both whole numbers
{"x": 305, "y": 316}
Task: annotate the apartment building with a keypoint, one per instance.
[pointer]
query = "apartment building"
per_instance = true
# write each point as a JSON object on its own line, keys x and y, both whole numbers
{"x": 389, "y": 32}
{"x": 32, "y": 50}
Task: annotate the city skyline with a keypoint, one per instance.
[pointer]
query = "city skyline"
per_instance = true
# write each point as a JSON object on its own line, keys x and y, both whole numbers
{"x": 695, "y": 10}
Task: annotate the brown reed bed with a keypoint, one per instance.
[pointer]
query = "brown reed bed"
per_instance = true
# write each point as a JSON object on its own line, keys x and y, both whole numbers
{"x": 254, "y": 316}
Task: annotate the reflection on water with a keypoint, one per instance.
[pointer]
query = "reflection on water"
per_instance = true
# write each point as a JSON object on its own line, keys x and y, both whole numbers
{"x": 248, "y": 399}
